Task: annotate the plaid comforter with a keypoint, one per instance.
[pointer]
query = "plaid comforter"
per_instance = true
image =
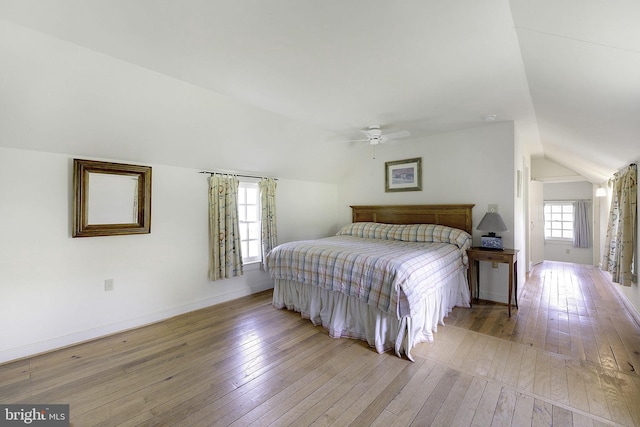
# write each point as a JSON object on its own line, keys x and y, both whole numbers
{"x": 391, "y": 275}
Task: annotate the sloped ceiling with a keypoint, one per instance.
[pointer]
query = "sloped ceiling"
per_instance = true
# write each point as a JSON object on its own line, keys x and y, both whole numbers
{"x": 199, "y": 83}
{"x": 583, "y": 68}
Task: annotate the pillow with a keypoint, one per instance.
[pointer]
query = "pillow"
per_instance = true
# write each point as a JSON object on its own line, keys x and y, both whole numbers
{"x": 436, "y": 233}
{"x": 366, "y": 230}
{"x": 408, "y": 233}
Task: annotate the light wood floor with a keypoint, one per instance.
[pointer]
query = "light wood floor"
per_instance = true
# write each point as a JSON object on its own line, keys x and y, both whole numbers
{"x": 569, "y": 356}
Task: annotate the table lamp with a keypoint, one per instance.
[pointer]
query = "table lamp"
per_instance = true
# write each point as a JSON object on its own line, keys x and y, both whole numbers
{"x": 492, "y": 222}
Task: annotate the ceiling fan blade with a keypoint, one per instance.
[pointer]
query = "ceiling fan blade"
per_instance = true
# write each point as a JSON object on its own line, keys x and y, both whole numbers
{"x": 399, "y": 134}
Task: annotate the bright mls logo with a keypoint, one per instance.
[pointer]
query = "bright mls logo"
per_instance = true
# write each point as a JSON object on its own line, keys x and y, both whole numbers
{"x": 35, "y": 415}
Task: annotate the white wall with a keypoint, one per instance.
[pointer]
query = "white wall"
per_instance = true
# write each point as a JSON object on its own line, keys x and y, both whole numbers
{"x": 547, "y": 170}
{"x": 307, "y": 210}
{"x": 564, "y": 251}
{"x": 52, "y": 285}
{"x": 522, "y": 168}
{"x": 470, "y": 166}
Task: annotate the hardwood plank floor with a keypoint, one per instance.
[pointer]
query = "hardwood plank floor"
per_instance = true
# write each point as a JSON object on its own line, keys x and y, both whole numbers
{"x": 569, "y": 355}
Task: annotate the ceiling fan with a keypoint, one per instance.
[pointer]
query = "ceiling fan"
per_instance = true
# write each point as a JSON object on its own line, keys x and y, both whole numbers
{"x": 374, "y": 135}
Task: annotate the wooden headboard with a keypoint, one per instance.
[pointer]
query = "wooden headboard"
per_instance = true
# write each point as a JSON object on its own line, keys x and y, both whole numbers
{"x": 458, "y": 216}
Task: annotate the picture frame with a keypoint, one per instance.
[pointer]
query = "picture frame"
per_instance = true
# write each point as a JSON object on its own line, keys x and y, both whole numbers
{"x": 110, "y": 198}
{"x": 403, "y": 175}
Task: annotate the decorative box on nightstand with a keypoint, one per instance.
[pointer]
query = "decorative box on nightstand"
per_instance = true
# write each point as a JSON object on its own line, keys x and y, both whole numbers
{"x": 491, "y": 242}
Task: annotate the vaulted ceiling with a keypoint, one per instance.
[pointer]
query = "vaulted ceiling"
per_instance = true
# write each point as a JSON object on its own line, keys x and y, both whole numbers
{"x": 297, "y": 76}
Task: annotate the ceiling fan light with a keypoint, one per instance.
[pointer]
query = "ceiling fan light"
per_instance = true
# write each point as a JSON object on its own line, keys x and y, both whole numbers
{"x": 375, "y": 135}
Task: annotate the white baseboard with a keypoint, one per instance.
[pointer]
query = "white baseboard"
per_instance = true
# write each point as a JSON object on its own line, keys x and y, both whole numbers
{"x": 113, "y": 328}
{"x": 627, "y": 304}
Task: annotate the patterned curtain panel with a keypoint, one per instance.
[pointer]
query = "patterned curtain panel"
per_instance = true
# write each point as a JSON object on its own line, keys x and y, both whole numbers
{"x": 268, "y": 217}
{"x": 581, "y": 224}
{"x": 621, "y": 231}
{"x": 225, "y": 259}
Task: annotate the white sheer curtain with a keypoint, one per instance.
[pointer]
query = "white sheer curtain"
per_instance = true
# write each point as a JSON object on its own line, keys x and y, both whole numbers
{"x": 620, "y": 242}
{"x": 225, "y": 256}
{"x": 581, "y": 224}
{"x": 268, "y": 217}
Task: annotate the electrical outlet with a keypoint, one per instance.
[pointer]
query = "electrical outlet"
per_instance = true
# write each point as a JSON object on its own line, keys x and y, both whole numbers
{"x": 567, "y": 251}
{"x": 108, "y": 285}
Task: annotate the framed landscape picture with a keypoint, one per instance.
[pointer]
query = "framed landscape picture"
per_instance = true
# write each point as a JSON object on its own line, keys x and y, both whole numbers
{"x": 403, "y": 175}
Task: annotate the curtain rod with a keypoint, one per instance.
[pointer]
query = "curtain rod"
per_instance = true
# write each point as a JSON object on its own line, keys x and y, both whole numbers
{"x": 236, "y": 174}
{"x": 567, "y": 200}
{"x": 630, "y": 166}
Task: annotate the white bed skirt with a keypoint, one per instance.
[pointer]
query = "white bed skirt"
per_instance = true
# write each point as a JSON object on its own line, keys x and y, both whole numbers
{"x": 345, "y": 316}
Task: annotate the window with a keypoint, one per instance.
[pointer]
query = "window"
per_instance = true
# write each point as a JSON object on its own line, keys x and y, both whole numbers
{"x": 249, "y": 221}
{"x": 558, "y": 221}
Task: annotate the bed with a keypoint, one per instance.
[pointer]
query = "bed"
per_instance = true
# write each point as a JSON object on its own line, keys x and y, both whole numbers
{"x": 389, "y": 278}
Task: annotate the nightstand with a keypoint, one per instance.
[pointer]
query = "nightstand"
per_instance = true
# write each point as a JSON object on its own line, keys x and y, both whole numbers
{"x": 505, "y": 256}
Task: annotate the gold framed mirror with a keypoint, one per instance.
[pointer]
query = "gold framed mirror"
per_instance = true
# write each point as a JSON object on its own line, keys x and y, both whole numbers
{"x": 110, "y": 198}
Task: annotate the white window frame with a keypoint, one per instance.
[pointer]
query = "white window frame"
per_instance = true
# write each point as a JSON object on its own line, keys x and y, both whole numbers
{"x": 563, "y": 224}
{"x": 249, "y": 218}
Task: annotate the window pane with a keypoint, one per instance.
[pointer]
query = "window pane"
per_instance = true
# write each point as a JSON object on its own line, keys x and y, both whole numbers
{"x": 558, "y": 220}
{"x": 252, "y": 213}
{"x": 252, "y": 195}
{"x": 254, "y": 248}
{"x": 249, "y": 217}
{"x": 254, "y": 230}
